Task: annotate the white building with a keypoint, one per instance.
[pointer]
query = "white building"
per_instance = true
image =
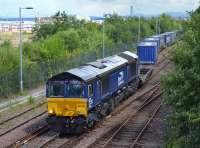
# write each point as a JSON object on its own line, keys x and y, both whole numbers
{"x": 13, "y": 26}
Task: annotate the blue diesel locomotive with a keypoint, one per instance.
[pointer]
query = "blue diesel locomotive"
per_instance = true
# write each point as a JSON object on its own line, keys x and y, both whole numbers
{"x": 79, "y": 97}
{"x": 82, "y": 96}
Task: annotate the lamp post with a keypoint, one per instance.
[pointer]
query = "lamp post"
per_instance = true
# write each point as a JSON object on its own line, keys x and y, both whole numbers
{"x": 159, "y": 25}
{"x": 21, "y": 52}
{"x": 103, "y": 42}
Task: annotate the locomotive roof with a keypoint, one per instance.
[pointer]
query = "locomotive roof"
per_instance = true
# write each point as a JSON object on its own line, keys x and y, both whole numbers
{"x": 131, "y": 57}
{"x": 95, "y": 69}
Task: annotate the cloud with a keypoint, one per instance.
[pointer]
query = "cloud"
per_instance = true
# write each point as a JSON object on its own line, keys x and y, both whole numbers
{"x": 95, "y": 7}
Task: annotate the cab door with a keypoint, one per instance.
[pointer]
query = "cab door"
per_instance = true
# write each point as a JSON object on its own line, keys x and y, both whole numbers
{"x": 94, "y": 93}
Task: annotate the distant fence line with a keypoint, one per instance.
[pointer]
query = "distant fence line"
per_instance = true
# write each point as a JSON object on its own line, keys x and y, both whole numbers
{"x": 37, "y": 73}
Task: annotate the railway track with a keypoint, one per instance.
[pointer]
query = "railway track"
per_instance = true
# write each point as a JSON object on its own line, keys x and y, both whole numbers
{"x": 56, "y": 142}
{"x": 22, "y": 113}
{"x": 68, "y": 142}
{"x": 150, "y": 92}
{"x": 129, "y": 131}
{"x": 21, "y": 124}
{"x": 158, "y": 71}
{"x": 49, "y": 141}
{"x": 29, "y": 137}
{"x": 163, "y": 54}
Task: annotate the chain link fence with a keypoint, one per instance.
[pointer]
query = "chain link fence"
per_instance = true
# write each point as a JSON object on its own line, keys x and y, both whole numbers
{"x": 36, "y": 74}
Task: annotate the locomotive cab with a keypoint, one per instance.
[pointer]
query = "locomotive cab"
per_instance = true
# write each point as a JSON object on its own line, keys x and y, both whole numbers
{"x": 67, "y": 98}
{"x": 67, "y": 103}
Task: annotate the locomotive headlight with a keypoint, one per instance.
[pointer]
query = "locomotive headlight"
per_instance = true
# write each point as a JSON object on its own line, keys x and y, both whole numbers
{"x": 51, "y": 111}
{"x": 79, "y": 113}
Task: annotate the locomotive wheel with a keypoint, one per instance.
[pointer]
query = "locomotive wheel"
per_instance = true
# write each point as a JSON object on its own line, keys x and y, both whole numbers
{"x": 112, "y": 104}
{"x": 116, "y": 102}
{"x": 105, "y": 109}
{"x": 79, "y": 129}
{"x": 79, "y": 126}
{"x": 62, "y": 133}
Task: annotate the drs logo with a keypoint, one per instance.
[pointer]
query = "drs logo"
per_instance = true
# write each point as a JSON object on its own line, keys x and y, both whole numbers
{"x": 90, "y": 102}
{"x": 121, "y": 78}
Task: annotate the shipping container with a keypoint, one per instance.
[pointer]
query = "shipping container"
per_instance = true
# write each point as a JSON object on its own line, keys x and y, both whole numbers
{"x": 168, "y": 38}
{"x": 147, "y": 52}
{"x": 162, "y": 40}
{"x": 173, "y": 36}
{"x": 156, "y": 40}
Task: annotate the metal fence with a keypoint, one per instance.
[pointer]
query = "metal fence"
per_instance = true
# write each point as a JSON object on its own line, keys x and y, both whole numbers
{"x": 36, "y": 74}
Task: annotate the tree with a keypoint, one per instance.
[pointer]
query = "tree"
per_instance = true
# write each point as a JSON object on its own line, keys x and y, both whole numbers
{"x": 167, "y": 23}
{"x": 182, "y": 90}
{"x": 60, "y": 22}
{"x": 71, "y": 39}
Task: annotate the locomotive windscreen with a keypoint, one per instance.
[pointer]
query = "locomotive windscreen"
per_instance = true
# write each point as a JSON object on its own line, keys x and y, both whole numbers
{"x": 56, "y": 89}
{"x": 66, "y": 89}
{"x": 75, "y": 90}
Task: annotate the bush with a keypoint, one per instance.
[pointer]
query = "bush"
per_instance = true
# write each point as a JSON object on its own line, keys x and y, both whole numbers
{"x": 9, "y": 58}
{"x": 182, "y": 90}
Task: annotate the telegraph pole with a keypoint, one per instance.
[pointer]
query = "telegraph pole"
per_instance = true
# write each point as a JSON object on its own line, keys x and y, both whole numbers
{"x": 103, "y": 38}
{"x": 156, "y": 25}
{"x": 139, "y": 28}
{"x": 131, "y": 11}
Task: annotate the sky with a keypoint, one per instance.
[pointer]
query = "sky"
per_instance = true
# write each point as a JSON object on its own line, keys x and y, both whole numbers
{"x": 10, "y": 8}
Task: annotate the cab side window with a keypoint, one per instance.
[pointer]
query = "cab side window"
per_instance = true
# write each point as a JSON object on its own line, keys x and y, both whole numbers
{"x": 90, "y": 90}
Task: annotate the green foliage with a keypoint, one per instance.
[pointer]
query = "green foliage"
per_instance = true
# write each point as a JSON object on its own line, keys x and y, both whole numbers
{"x": 64, "y": 43}
{"x": 118, "y": 29}
{"x": 71, "y": 39}
{"x": 31, "y": 100}
{"x": 60, "y": 22}
{"x": 168, "y": 23}
{"x": 49, "y": 49}
{"x": 182, "y": 90}
{"x": 44, "y": 30}
{"x": 9, "y": 57}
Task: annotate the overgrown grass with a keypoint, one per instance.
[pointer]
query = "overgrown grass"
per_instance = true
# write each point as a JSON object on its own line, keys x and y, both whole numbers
{"x": 31, "y": 100}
